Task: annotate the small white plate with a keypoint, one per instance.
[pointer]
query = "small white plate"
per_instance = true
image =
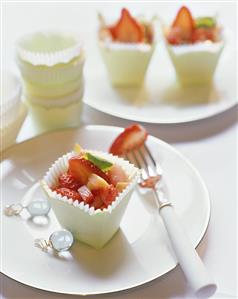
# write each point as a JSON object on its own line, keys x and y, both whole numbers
{"x": 161, "y": 99}
{"x": 139, "y": 252}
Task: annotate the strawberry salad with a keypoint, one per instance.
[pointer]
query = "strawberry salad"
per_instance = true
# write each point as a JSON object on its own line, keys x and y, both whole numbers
{"x": 89, "y": 190}
{"x": 127, "y": 29}
{"x": 194, "y": 46}
{"x": 95, "y": 181}
{"x": 186, "y": 29}
{"x": 126, "y": 47}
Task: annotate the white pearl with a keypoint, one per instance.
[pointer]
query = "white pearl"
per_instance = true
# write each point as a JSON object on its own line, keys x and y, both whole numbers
{"x": 38, "y": 208}
{"x": 61, "y": 240}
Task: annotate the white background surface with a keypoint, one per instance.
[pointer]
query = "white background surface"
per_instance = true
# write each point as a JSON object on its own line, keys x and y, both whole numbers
{"x": 211, "y": 145}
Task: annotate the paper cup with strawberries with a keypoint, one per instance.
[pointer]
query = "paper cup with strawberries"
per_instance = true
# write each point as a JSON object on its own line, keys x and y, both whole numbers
{"x": 194, "y": 46}
{"x": 89, "y": 192}
{"x": 126, "y": 48}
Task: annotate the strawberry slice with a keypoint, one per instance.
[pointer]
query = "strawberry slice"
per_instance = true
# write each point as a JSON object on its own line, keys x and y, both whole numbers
{"x": 185, "y": 22}
{"x": 68, "y": 181}
{"x": 127, "y": 29}
{"x": 68, "y": 193}
{"x": 81, "y": 169}
{"x": 109, "y": 194}
{"x": 86, "y": 195}
{"x": 104, "y": 196}
{"x": 116, "y": 175}
{"x": 131, "y": 138}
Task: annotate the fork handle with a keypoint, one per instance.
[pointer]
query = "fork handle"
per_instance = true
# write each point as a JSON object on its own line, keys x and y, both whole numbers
{"x": 188, "y": 258}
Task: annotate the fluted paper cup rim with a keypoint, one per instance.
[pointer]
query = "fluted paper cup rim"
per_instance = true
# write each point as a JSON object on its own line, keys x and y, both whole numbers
{"x": 49, "y": 58}
{"x": 55, "y": 170}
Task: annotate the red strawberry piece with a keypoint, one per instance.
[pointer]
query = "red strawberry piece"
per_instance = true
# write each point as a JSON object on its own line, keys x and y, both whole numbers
{"x": 86, "y": 194}
{"x": 174, "y": 36}
{"x": 68, "y": 193}
{"x": 81, "y": 169}
{"x": 68, "y": 181}
{"x": 98, "y": 202}
{"x": 109, "y": 194}
{"x": 116, "y": 175}
{"x": 131, "y": 138}
{"x": 203, "y": 34}
{"x": 127, "y": 29}
{"x": 185, "y": 22}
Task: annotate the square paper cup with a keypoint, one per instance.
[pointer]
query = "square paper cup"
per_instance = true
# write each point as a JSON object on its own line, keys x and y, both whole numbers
{"x": 195, "y": 64}
{"x": 56, "y": 113}
{"x": 126, "y": 63}
{"x": 94, "y": 227}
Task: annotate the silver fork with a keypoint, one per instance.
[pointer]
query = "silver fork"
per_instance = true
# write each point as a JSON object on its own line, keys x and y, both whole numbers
{"x": 190, "y": 262}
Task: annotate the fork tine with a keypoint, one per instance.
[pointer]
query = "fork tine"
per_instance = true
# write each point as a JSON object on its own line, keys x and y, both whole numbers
{"x": 147, "y": 166}
{"x": 131, "y": 156}
{"x": 155, "y": 164}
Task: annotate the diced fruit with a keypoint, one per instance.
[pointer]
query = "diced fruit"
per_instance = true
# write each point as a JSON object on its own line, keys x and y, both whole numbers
{"x": 107, "y": 195}
{"x": 98, "y": 202}
{"x": 96, "y": 182}
{"x": 174, "y": 36}
{"x": 68, "y": 193}
{"x": 121, "y": 186}
{"x": 99, "y": 162}
{"x": 77, "y": 148}
{"x": 131, "y": 138}
{"x": 86, "y": 195}
{"x": 81, "y": 169}
{"x": 203, "y": 34}
{"x": 205, "y": 22}
{"x": 184, "y": 21}
{"x": 127, "y": 29}
{"x": 68, "y": 181}
{"x": 116, "y": 174}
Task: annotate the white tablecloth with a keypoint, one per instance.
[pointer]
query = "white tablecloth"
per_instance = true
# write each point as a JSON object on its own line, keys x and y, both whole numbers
{"x": 210, "y": 144}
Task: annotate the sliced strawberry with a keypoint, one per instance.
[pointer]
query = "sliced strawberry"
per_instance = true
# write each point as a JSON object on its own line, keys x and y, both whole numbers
{"x": 109, "y": 194}
{"x": 104, "y": 195}
{"x": 98, "y": 202}
{"x": 86, "y": 195}
{"x": 127, "y": 29}
{"x": 81, "y": 169}
{"x": 203, "y": 34}
{"x": 116, "y": 174}
{"x": 185, "y": 22}
{"x": 68, "y": 193}
{"x": 131, "y": 138}
{"x": 68, "y": 181}
{"x": 174, "y": 36}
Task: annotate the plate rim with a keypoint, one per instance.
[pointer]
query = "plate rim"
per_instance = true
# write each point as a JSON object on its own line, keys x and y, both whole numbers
{"x": 153, "y": 121}
{"x": 184, "y": 158}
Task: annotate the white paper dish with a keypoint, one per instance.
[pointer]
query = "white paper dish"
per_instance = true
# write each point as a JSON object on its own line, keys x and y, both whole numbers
{"x": 52, "y": 75}
{"x": 126, "y": 64}
{"x": 195, "y": 64}
{"x": 53, "y": 91}
{"x": 56, "y": 117}
{"x": 94, "y": 227}
{"x": 60, "y": 101}
{"x": 49, "y": 48}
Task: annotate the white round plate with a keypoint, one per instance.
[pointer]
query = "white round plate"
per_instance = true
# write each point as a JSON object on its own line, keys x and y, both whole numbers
{"x": 139, "y": 252}
{"x": 161, "y": 99}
